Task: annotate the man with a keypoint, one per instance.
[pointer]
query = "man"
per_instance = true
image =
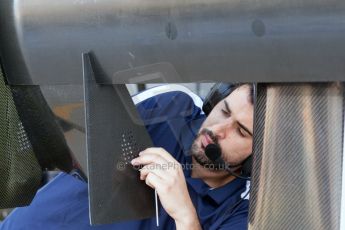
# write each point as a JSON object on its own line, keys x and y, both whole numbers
{"x": 194, "y": 197}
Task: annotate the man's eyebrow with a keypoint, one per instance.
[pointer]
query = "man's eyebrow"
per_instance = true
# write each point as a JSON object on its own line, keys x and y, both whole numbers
{"x": 245, "y": 128}
{"x": 227, "y": 107}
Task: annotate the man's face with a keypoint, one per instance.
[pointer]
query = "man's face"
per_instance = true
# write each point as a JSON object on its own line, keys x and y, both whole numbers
{"x": 230, "y": 125}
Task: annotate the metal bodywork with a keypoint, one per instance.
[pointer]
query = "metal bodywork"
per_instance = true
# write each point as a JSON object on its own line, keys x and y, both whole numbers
{"x": 243, "y": 40}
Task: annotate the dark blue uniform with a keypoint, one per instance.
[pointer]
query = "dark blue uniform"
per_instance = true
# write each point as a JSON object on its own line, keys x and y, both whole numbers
{"x": 172, "y": 120}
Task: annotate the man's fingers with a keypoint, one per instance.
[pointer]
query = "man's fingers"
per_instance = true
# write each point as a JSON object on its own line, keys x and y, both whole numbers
{"x": 146, "y": 159}
{"x": 160, "y": 170}
{"x": 158, "y": 151}
{"x": 153, "y": 180}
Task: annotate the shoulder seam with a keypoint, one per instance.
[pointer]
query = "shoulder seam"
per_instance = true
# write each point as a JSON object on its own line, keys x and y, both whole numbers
{"x": 158, "y": 90}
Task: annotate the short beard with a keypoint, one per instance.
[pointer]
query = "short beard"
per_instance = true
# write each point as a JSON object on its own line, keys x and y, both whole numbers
{"x": 199, "y": 154}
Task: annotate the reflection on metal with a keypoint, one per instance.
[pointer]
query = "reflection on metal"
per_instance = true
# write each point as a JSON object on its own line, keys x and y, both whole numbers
{"x": 298, "y": 157}
{"x": 160, "y": 72}
{"x": 219, "y": 40}
{"x": 67, "y": 103}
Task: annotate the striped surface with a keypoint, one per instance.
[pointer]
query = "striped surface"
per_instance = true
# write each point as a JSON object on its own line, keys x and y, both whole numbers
{"x": 298, "y": 151}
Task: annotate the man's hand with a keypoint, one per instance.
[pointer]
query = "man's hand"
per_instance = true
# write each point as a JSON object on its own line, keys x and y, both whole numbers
{"x": 163, "y": 173}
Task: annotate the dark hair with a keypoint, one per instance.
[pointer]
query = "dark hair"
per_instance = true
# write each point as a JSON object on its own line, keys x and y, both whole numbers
{"x": 221, "y": 90}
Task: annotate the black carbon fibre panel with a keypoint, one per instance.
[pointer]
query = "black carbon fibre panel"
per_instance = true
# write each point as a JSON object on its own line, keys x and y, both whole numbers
{"x": 298, "y": 150}
{"x": 20, "y": 173}
{"x": 114, "y": 137}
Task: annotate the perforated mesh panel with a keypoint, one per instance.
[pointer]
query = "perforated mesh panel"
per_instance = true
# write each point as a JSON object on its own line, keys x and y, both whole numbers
{"x": 20, "y": 173}
{"x": 44, "y": 133}
{"x": 298, "y": 150}
{"x": 129, "y": 147}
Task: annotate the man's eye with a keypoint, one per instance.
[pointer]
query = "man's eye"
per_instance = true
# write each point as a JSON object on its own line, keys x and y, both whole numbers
{"x": 241, "y": 132}
{"x": 226, "y": 113}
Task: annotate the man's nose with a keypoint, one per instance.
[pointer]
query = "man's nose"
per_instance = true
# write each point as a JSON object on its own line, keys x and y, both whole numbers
{"x": 221, "y": 129}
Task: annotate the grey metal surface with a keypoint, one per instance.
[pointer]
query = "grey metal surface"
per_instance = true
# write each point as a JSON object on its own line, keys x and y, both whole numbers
{"x": 242, "y": 40}
{"x": 113, "y": 139}
{"x": 298, "y": 151}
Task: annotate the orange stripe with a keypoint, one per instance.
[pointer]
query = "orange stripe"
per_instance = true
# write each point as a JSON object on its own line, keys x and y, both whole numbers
{"x": 65, "y": 111}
